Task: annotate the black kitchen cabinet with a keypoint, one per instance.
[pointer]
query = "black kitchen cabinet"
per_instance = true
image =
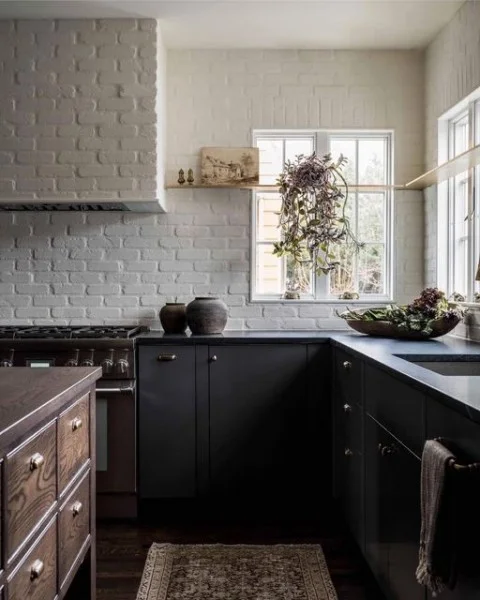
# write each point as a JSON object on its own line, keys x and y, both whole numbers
{"x": 245, "y": 424}
{"x": 167, "y": 422}
{"x": 392, "y": 516}
{"x": 259, "y": 415}
{"x": 463, "y": 436}
{"x": 348, "y": 442}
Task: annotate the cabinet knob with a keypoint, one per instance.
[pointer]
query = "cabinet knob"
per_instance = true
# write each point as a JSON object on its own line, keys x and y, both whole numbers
{"x": 77, "y": 508}
{"x": 347, "y": 408}
{"x": 387, "y": 450}
{"x": 76, "y": 423}
{"x": 347, "y": 365}
{"x": 36, "y": 461}
{"x": 348, "y": 452}
{"x": 36, "y": 569}
{"x": 166, "y": 357}
{"x": 213, "y": 358}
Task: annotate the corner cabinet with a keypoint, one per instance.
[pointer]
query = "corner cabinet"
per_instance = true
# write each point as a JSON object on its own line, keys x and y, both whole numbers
{"x": 377, "y": 470}
{"x": 235, "y": 423}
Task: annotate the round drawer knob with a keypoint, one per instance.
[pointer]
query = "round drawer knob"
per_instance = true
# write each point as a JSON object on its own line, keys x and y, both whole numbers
{"x": 36, "y": 461}
{"x": 76, "y": 423}
{"x": 347, "y": 365}
{"x": 213, "y": 358}
{"x": 36, "y": 569}
{"x": 347, "y": 408}
{"x": 77, "y": 508}
{"x": 348, "y": 452}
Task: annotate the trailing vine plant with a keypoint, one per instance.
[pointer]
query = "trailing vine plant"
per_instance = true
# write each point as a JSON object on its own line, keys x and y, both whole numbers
{"x": 313, "y": 219}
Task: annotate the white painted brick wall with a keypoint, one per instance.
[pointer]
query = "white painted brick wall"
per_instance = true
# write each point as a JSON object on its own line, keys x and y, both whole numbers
{"x": 75, "y": 98}
{"x": 216, "y": 97}
{"x": 452, "y": 72}
{"x": 100, "y": 268}
{"x": 80, "y": 268}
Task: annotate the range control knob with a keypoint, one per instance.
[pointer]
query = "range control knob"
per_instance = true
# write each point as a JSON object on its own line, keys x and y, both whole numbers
{"x": 107, "y": 363}
{"x": 88, "y": 361}
{"x": 122, "y": 364}
{"x": 7, "y": 362}
{"x": 73, "y": 360}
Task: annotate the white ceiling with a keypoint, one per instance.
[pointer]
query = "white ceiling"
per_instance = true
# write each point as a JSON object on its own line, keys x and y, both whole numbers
{"x": 332, "y": 24}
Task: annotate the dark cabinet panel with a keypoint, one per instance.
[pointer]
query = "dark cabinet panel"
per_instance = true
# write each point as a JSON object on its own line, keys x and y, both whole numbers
{"x": 167, "y": 422}
{"x": 259, "y": 422}
{"x": 463, "y": 436}
{"x": 392, "y": 524}
{"x": 348, "y": 377}
{"x": 348, "y": 442}
{"x": 397, "y": 406}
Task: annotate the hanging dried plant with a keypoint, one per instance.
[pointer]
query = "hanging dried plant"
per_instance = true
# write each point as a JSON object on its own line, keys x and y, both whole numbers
{"x": 312, "y": 217}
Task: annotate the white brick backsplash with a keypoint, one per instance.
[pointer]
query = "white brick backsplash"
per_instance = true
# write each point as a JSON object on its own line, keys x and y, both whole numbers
{"x": 61, "y": 82}
{"x": 83, "y": 268}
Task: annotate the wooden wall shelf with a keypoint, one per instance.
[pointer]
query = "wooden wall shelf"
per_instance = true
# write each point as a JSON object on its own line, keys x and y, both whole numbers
{"x": 272, "y": 187}
{"x": 463, "y": 162}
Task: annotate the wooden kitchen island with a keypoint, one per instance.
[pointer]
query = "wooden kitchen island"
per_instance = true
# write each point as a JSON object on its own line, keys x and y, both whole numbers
{"x": 47, "y": 479}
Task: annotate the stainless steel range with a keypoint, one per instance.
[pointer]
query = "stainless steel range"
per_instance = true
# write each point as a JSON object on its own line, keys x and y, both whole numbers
{"x": 112, "y": 348}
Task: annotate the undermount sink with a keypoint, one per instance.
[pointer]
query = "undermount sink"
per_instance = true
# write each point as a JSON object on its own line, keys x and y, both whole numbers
{"x": 466, "y": 366}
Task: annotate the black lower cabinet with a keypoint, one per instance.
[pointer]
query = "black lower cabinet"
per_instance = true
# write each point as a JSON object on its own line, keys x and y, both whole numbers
{"x": 261, "y": 412}
{"x": 236, "y": 426}
{"x": 463, "y": 436}
{"x": 167, "y": 422}
{"x": 392, "y": 516}
{"x": 349, "y": 461}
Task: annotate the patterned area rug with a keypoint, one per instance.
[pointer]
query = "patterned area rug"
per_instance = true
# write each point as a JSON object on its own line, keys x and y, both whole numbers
{"x": 221, "y": 572}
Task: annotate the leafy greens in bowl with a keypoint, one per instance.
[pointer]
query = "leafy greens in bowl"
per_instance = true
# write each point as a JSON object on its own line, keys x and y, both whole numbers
{"x": 428, "y": 316}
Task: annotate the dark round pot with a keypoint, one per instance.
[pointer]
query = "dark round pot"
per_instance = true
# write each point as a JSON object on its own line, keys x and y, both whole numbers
{"x": 173, "y": 317}
{"x": 206, "y": 316}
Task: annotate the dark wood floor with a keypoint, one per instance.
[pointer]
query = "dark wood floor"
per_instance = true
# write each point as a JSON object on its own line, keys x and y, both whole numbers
{"x": 122, "y": 549}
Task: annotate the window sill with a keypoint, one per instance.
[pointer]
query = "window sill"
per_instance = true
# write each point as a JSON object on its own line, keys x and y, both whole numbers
{"x": 335, "y": 301}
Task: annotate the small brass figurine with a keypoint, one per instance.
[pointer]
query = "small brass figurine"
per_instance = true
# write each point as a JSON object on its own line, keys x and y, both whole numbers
{"x": 181, "y": 178}
{"x": 190, "y": 177}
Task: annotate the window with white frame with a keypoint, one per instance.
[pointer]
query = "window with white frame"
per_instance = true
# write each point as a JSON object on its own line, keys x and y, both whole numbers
{"x": 368, "y": 172}
{"x": 458, "y": 202}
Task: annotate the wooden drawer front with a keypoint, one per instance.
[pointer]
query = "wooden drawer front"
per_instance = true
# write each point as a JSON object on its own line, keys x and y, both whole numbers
{"x": 74, "y": 526}
{"x": 31, "y": 486}
{"x": 36, "y": 577}
{"x": 73, "y": 440}
{"x": 397, "y": 406}
{"x": 348, "y": 378}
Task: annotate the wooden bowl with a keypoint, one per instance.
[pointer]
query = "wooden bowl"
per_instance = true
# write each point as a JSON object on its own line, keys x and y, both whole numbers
{"x": 386, "y": 329}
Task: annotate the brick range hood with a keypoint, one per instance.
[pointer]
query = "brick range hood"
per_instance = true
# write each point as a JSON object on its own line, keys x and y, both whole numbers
{"x": 83, "y": 120}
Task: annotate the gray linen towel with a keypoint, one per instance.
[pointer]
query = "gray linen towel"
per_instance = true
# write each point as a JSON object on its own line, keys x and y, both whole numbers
{"x": 437, "y": 556}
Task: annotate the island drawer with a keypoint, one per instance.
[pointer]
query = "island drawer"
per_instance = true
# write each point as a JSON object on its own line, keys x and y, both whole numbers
{"x": 74, "y": 526}
{"x": 73, "y": 440}
{"x": 31, "y": 482}
{"x": 36, "y": 576}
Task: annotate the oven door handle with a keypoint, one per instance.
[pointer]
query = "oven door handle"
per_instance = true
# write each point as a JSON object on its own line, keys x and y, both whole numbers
{"x": 117, "y": 390}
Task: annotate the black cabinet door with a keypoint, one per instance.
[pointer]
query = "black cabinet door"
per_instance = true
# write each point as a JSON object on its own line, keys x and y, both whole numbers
{"x": 167, "y": 422}
{"x": 260, "y": 423}
{"x": 348, "y": 442}
{"x": 464, "y": 437}
{"x": 392, "y": 524}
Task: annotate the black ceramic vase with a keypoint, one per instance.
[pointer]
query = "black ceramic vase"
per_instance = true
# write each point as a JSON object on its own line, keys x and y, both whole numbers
{"x": 206, "y": 316}
{"x": 173, "y": 317}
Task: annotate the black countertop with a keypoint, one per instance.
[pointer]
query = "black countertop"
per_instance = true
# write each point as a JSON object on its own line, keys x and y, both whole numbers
{"x": 462, "y": 393}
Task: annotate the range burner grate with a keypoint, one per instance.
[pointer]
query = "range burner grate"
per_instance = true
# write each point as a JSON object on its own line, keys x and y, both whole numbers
{"x": 66, "y": 332}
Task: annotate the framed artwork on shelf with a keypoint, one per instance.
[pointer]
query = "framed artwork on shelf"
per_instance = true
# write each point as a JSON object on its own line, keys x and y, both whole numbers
{"x": 229, "y": 166}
